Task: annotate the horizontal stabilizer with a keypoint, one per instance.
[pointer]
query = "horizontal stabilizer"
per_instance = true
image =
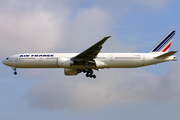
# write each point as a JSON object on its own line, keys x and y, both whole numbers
{"x": 165, "y": 55}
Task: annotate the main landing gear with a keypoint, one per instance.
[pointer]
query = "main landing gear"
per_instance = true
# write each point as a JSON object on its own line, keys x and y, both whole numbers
{"x": 15, "y": 73}
{"x": 89, "y": 73}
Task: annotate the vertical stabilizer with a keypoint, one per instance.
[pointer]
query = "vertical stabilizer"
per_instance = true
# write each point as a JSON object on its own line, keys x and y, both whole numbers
{"x": 165, "y": 43}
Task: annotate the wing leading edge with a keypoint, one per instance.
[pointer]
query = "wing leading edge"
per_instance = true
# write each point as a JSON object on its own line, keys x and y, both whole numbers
{"x": 92, "y": 52}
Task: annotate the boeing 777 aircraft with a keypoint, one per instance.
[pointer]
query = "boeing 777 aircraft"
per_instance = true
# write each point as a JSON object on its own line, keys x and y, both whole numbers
{"x": 91, "y": 59}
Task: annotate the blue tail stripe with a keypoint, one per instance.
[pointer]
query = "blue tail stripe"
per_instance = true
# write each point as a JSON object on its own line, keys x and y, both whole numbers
{"x": 163, "y": 46}
{"x": 164, "y": 41}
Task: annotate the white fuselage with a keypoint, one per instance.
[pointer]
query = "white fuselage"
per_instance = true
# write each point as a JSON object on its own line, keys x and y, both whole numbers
{"x": 103, "y": 60}
{"x": 91, "y": 58}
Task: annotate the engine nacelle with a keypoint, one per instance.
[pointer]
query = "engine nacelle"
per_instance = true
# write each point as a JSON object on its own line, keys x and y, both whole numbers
{"x": 71, "y": 71}
{"x": 100, "y": 64}
{"x": 65, "y": 62}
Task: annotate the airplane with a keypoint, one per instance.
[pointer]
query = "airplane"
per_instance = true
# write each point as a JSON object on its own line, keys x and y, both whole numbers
{"x": 91, "y": 59}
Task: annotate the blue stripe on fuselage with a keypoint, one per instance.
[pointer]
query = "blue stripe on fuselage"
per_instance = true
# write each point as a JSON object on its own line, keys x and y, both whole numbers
{"x": 164, "y": 41}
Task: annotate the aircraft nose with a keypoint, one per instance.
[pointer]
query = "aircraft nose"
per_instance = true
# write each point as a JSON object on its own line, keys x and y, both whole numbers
{"x": 4, "y": 62}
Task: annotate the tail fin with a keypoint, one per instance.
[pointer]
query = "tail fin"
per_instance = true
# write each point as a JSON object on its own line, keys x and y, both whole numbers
{"x": 165, "y": 43}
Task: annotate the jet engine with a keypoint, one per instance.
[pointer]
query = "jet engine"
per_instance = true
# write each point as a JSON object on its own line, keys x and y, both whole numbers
{"x": 100, "y": 64}
{"x": 71, "y": 71}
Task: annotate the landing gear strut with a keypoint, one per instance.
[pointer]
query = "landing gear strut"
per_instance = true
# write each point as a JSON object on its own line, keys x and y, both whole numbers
{"x": 15, "y": 73}
{"x": 89, "y": 73}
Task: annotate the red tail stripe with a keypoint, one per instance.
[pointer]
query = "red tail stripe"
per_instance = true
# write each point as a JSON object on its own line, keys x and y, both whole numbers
{"x": 166, "y": 48}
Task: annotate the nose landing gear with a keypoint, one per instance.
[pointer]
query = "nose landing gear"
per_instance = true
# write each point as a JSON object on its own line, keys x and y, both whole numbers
{"x": 15, "y": 73}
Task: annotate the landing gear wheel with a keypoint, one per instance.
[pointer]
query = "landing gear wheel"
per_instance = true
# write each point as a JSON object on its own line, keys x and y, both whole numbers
{"x": 87, "y": 75}
{"x": 91, "y": 72}
{"x": 15, "y": 73}
{"x": 94, "y": 76}
{"x": 91, "y": 76}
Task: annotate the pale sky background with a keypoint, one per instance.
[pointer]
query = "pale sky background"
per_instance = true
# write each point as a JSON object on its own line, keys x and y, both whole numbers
{"x": 147, "y": 93}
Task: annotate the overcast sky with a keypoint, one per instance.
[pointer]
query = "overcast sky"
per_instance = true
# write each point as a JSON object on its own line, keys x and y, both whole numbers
{"x": 146, "y": 93}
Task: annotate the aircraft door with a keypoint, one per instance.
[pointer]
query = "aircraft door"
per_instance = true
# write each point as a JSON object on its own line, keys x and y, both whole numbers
{"x": 143, "y": 59}
{"x": 111, "y": 58}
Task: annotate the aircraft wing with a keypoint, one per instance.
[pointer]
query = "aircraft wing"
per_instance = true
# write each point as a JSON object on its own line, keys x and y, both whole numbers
{"x": 165, "y": 55}
{"x": 91, "y": 52}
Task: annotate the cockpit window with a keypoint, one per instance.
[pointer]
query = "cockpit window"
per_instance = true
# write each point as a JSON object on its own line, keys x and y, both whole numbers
{"x": 7, "y": 58}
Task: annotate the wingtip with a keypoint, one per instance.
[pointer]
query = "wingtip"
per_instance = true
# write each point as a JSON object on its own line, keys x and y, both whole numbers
{"x": 107, "y": 37}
